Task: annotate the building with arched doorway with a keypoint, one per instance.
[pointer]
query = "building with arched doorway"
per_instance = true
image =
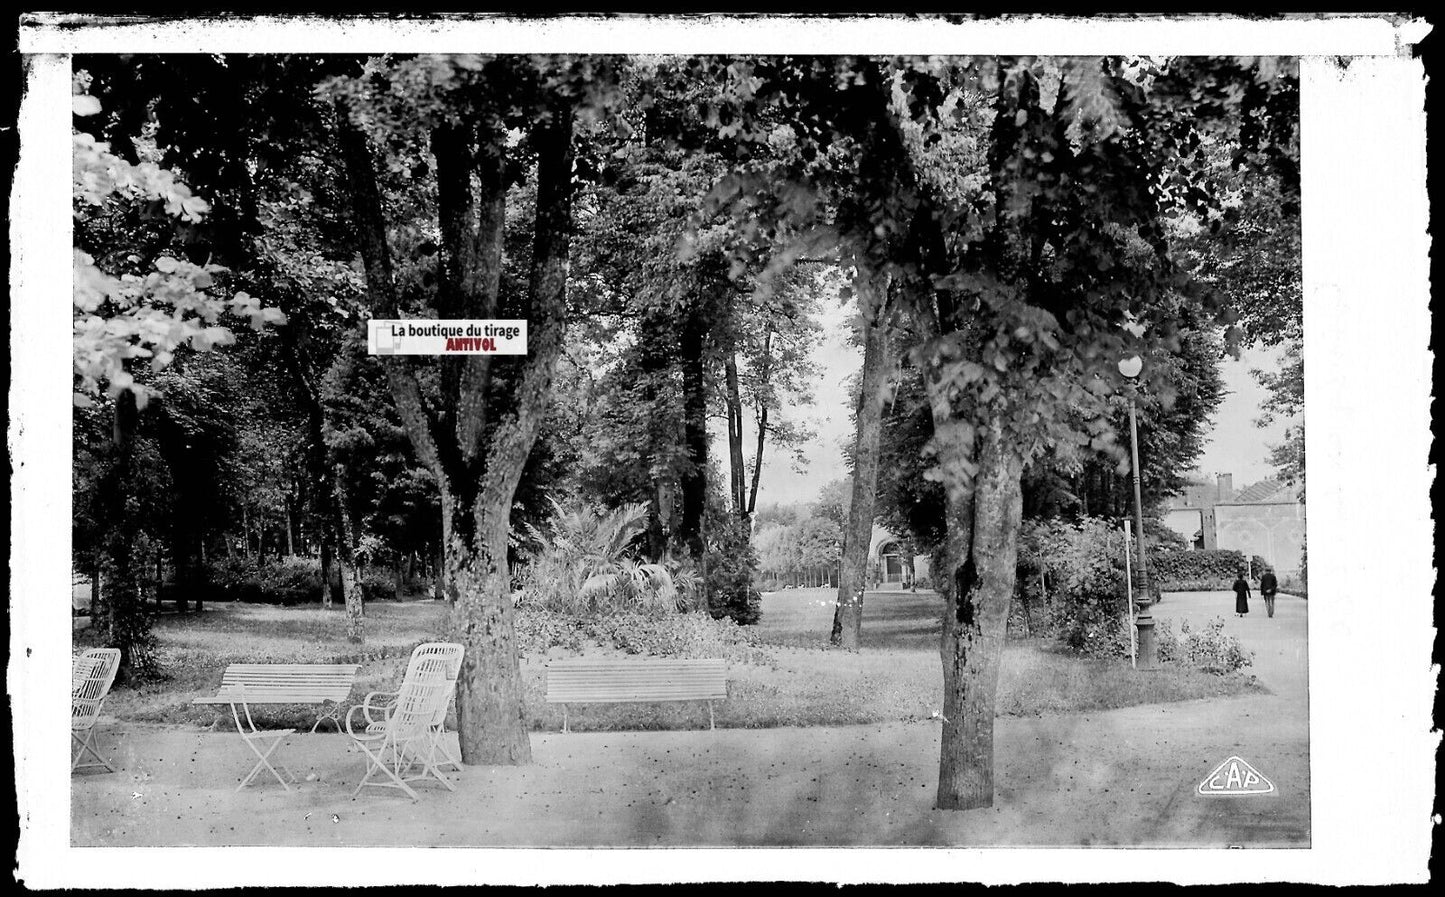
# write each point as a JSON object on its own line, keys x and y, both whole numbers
{"x": 891, "y": 565}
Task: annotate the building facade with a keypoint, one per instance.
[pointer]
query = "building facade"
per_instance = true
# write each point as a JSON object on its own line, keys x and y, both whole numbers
{"x": 1265, "y": 519}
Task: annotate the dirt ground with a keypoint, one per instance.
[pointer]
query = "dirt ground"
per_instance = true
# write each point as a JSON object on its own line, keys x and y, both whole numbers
{"x": 1119, "y": 777}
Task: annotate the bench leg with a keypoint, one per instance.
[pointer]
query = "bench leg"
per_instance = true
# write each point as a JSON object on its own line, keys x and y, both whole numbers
{"x": 264, "y": 761}
{"x": 564, "y": 717}
{"x": 331, "y": 711}
{"x": 711, "y": 723}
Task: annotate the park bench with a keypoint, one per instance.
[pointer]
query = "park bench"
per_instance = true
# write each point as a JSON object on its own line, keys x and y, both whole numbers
{"x": 244, "y": 684}
{"x": 613, "y": 680}
{"x": 327, "y": 684}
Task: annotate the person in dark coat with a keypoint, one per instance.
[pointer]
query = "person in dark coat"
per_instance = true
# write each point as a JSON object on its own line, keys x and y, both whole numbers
{"x": 1268, "y": 586}
{"x": 1241, "y": 596}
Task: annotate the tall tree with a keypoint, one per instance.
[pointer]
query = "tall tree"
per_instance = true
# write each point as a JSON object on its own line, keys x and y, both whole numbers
{"x": 476, "y": 431}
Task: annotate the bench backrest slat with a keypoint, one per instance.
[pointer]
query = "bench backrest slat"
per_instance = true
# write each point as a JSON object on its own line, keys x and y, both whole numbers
{"x": 288, "y": 683}
{"x": 612, "y": 680}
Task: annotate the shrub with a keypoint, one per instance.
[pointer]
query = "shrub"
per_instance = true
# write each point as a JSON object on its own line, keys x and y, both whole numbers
{"x": 731, "y": 568}
{"x": 583, "y": 566}
{"x": 378, "y": 586}
{"x": 1084, "y": 565}
{"x": 1212, "y": 650}
{"x": 1167, "y": 642}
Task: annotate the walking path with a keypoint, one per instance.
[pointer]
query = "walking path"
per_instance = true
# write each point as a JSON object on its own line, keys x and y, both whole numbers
{"x": 1120, "y": 777}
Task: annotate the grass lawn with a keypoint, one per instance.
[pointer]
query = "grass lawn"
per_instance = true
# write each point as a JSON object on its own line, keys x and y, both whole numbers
{"x": 788, "y": 677}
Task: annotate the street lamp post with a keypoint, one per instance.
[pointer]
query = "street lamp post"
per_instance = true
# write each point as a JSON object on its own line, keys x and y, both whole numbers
{"x": 1144, "y": 621}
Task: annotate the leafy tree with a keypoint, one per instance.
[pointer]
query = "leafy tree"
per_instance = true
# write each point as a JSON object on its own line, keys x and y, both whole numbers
{"x": 135, "y": 300}
{"x": 1017, "y": 270}
{"x": 450, "y": 117}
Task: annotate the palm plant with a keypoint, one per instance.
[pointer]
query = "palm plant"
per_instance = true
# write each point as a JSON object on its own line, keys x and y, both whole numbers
{"x": 584, "y": 566}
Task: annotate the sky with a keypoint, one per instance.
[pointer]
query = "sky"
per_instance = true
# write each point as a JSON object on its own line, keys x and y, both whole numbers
{"x": 1235, "y": 445}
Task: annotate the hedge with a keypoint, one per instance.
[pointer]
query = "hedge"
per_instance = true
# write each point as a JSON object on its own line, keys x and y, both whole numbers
{"x": 1171, "y": 567}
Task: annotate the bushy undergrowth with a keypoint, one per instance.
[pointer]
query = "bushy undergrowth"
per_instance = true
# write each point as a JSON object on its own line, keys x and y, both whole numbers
{"x": 1211, "y": 649}
{"x": 546, "y": 632}
{"x": 289, "y": 581}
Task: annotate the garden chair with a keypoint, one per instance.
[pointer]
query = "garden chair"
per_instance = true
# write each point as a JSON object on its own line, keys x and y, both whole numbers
{"x": 399, "y": 731}
{"x": 453, "y": 658}
{"x": 91, "y": 675}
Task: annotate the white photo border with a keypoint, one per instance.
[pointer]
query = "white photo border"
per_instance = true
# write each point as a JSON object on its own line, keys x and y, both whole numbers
{"x": 1365, "y": 217}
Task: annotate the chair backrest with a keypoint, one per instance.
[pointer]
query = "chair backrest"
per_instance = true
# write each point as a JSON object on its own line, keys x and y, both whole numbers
{"x": 427, "y": 688}
{"x": 91, "y": 676}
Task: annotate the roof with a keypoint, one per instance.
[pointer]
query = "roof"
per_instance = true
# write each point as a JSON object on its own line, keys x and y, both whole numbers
{"x": 1267, "y": 490}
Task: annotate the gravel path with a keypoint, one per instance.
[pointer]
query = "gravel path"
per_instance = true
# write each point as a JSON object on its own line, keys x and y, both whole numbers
{"x": 1120, "y": 777}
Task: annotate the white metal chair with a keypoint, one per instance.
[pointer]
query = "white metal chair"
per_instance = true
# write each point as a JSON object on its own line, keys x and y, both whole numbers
{"x": 91, "y": 676}
{"x": 400, "y": 735}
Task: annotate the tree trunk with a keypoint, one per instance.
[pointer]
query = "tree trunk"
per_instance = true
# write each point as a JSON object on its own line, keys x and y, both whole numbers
{"x": 694, "y": 388}
{"x": 326, "y": 598}
{"x": 246, "y": 531}
{"x": 95, "y": 591}
{"x": 852, "y": 580}
{"x": 350, "y": 584}
{"x": 977, "y": 578}
{"x": 491, "y": 723}
{"x": 290, "y": 545}
{"x": 439, "y": 575}
{"x": 762, "y": 419}
{"x": 735, "y": 438}
{"x": 129, "y": 623}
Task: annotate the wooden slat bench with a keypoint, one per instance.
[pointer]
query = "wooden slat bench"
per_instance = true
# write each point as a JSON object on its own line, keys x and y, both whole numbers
{"x": 328, "y": 684}
{"x": 614, "y": 680}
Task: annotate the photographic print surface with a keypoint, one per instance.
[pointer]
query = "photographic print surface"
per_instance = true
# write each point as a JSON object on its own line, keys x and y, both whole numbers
{"x": 901, "y": 450}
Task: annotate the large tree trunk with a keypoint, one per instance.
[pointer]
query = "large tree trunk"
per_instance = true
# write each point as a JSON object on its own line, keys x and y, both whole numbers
{"x": 491, "y": 720}
{"x": 868, "y": 419}
{"x": 129, "y": 624}
{"x": 976, "y": 578}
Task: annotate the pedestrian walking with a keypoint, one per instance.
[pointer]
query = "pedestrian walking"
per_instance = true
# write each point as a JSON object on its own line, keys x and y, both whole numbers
{"x": 1268, "y": 586}
{"x": 1241, "y": 595}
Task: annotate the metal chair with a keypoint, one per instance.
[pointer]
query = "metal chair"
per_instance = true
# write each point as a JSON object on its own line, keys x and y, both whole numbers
{"x": 400, "y": 734}
{"x": 91, "y": 676}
